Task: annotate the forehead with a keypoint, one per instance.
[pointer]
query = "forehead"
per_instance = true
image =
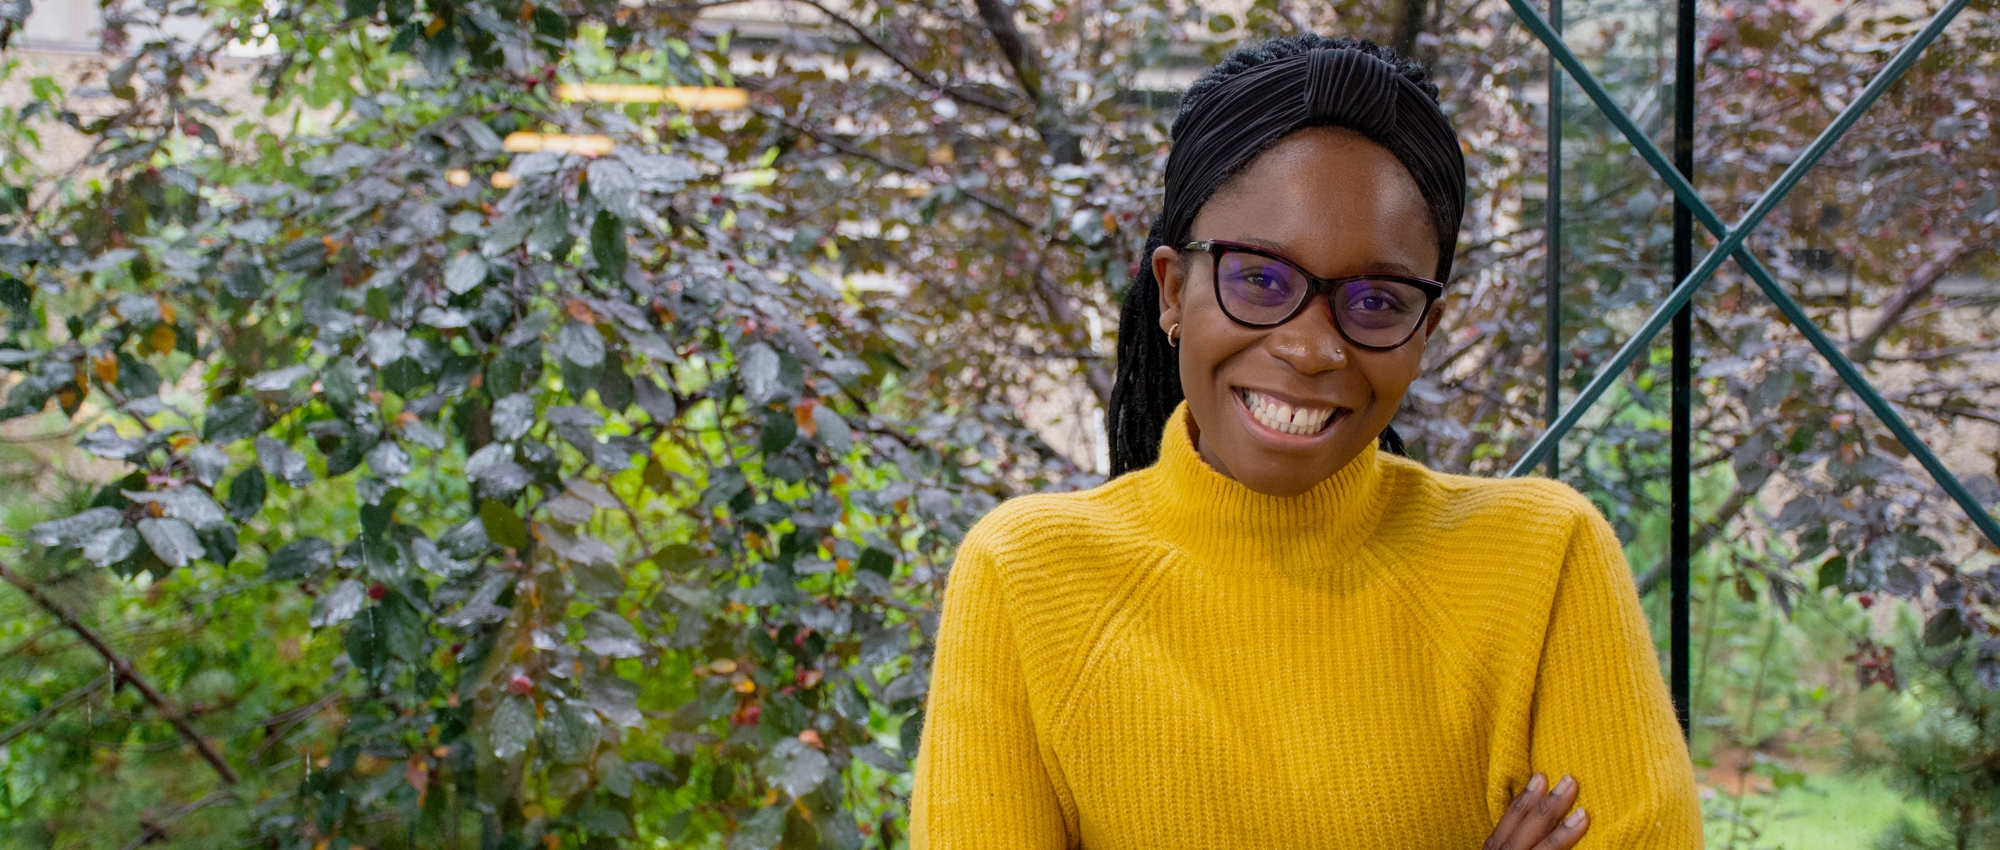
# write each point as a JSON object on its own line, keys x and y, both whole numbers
{"x": 1331, "y": 200}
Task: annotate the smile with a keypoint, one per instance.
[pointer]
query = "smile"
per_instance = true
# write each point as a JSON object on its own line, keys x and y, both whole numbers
{"x": 1284, "y": 418}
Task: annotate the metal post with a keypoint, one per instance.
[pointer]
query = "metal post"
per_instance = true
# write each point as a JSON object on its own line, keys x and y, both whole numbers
{"x": 1553, "y": 262}
{"x": 1683, "y": 368}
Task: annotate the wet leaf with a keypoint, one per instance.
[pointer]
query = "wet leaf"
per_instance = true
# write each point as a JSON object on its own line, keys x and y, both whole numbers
{"x": 208, "y": 463}
{"x": 172, "y": 540}
{"x": 798, "y": 767}
{"x": 503, "y": 525}
{"x": 464, "y": 272}
{"x": 246, "y": 494}
{"x": 610, "y": 636}
{"x": 339, "y": 606}
{"x": 615, "y": 776}
{"x": 512, "y": 416}
{"x": 73, "y": 530}
{"x": 300, "y": 558}
{"x": 233, "y": 418}
{"x": 612, "y": 184}
{"x": 615, "y": 698}
{"x": 570, "y": 732}
{"x": 579, "y": 343}
{"x": 185, "y": 503}
{"x": 513, "y": 727}
{"x": 388, "y": 460}
{"x": 758, "y": 370}
{"x": 283, "y": 463}
{"x": 110, "y": 546}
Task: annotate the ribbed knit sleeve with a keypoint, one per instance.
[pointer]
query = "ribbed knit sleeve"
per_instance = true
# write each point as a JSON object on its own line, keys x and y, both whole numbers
{"x": 1601, "y": 710}
{"x": 980, "y": 780}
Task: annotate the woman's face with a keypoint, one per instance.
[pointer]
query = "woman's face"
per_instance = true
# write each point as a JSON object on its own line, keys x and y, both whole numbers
{"x": 1336, "y": 204}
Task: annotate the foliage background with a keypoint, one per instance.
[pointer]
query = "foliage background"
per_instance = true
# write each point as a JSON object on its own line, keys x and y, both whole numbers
{"x": 605, "y": 508}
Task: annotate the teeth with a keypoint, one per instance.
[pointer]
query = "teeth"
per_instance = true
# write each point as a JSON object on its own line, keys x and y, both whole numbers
{"x": 1279, "y": 416}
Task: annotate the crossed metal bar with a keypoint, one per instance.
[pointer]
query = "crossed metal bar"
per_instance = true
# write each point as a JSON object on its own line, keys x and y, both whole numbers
{"x": 1731, "y": 245}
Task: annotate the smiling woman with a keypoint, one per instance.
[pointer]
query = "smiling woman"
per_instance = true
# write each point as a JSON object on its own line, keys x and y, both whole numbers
{"x": 1267, "y": 631}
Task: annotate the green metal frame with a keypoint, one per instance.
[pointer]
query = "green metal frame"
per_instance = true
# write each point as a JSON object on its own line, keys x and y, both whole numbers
{"x": 1731, "y": 245}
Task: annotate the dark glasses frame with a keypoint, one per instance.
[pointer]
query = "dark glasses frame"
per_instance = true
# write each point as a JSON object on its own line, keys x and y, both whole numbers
{"x": 1218, "y": 248}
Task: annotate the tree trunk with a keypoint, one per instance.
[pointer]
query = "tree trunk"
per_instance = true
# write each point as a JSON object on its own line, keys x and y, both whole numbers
{"x": 1409, "y": 24}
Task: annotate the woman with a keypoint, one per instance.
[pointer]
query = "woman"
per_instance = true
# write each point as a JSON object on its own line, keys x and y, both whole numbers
{"x": 1266, "y": 632}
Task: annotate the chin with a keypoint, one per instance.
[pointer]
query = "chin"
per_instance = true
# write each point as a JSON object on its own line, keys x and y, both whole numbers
{"x": 1285, "y": 476}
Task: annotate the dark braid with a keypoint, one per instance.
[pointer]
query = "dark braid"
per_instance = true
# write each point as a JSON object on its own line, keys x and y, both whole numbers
{"x": 1147, "y": 387}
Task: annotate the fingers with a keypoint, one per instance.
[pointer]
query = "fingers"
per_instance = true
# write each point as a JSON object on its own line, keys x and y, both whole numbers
{"x": 1536, "y": 820}
{"x": 1567, "y": 833}
{"x": 1517, "y": 811}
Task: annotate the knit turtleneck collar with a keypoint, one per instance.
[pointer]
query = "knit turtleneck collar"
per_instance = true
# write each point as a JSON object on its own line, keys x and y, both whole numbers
{"x": 1205, "y": 512}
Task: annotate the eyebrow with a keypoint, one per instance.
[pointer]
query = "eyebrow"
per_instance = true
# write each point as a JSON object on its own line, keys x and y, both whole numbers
{"x": 1387, "y": 267}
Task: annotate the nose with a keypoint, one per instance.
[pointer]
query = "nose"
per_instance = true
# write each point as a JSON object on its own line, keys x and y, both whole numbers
{"x": 1309, "y": 343}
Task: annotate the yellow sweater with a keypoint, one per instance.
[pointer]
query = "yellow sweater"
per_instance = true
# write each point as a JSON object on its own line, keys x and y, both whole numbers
{"x": 1173, "y": 660}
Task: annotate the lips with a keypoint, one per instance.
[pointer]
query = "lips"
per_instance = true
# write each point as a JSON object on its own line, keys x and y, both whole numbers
{"x": 1286, "y": 418}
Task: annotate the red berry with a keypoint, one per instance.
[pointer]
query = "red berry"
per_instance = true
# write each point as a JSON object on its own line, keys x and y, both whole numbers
{"x": 520, "y": 684}
{"x": 1867, "y": 600}
{"x": 378, "y": 590}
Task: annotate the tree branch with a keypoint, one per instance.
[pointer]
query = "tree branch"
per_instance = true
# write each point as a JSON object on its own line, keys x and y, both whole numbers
{"x": 1095, "y": 372}
{"x": 1920, "y": 284}
{"x": 1064, "y": 144}
{"x": 1708, "y": 531}
{"x": 53, "y": 709}
{"x": 958, "y": 93}
{"x": 909, "y": 168}
{"x": 124, "y": 670}
{"x": 1941, "y": 353}
{"x": 1409, "y": 24}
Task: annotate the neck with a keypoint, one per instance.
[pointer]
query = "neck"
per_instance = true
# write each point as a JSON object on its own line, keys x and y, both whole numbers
{"x": 1200, "y": 507}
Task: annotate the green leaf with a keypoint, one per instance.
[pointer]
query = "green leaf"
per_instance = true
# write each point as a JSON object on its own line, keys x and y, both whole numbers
{"x": 367, "y": 644}
{"x": 607, "y": 246}
{"x": 246, "y": 494}
{"x": 780, "y": 429}
{"x": 233, "y": 418}
{"x": 570, "y": 731}
{"x": 1833, "y": 572}
{"x": 502, "y": 525}
{"x": 833, "y": 430}
{"x": 878, "y": 562}
{"x": 298, "y": 559}
{"x": 135, "y": 378}
{"x": 341, "y": 385}
{"x": 911, "y": 733}
{"x": 362, "y": 8}
{"x": 551, "y": 24}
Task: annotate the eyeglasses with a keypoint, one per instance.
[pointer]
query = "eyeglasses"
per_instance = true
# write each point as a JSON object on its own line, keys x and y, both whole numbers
{"x": 1258, "y": 288}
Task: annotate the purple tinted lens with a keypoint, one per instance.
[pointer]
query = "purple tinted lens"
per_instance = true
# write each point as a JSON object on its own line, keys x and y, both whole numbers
{"x": 1256, "y": 289}
{"x": 1378, "y": 312}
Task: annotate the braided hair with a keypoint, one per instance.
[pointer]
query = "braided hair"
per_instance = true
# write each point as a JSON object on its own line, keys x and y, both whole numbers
{"x": 1238, "y": 110}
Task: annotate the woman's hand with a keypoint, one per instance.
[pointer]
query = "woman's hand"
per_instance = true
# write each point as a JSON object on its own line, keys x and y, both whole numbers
{"x": 1534, "y": 821}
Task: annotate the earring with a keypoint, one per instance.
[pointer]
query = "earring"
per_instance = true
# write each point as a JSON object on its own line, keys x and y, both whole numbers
{"x": 1174, "y": 336}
